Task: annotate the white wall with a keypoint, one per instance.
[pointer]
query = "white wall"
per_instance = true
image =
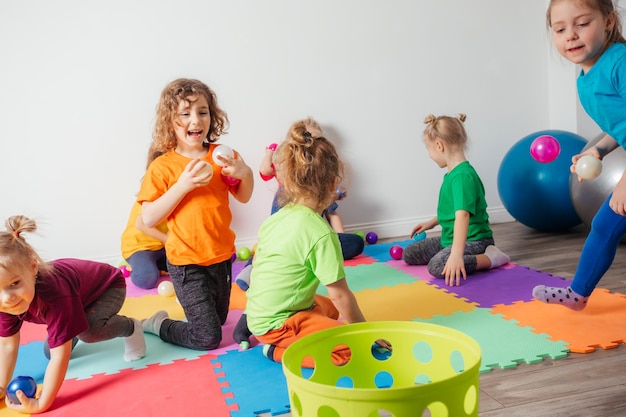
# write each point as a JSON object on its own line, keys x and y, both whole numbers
{"x": 79, "y": 82}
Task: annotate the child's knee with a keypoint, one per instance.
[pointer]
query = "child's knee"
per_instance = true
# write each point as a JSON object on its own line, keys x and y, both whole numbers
{"x": 435, "y": 269}
{"x": 145, "y": 281}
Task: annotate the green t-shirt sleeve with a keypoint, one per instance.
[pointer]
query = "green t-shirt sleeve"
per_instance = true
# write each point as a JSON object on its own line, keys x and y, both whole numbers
{"x": 464, "y": 193}
{"x": 326, "y": 260}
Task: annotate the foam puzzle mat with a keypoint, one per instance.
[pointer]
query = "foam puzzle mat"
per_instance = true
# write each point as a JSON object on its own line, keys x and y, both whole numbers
{"x": 494, "y": 307}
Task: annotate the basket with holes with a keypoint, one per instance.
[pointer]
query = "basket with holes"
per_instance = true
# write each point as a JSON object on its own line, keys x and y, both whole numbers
{"x": 431, "y": 370}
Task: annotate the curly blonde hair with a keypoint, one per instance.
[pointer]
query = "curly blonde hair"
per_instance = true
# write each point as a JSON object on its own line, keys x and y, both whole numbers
{"x": 307, "y": 166}
{"x": 177, "y": 91}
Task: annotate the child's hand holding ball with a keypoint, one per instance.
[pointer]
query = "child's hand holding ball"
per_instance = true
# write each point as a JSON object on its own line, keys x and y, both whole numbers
{"x": 202, "y": 172}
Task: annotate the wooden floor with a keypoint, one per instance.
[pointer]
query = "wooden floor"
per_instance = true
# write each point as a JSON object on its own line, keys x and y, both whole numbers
{"x": 590, "y": 385}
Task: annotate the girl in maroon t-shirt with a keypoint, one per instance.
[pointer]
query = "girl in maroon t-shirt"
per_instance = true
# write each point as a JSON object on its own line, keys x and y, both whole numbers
{"x": 76, "y": 299}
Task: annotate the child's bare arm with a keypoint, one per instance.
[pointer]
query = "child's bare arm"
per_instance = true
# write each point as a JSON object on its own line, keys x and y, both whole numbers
{"x": 266, "y": 169}
{"x": 345, "y": 301}
{"x": 150, "y": 231}
{"x": 8, "y": 357}
{"x": 197, "y": 173}
{"x": 52, "y": 381}
{"x": 335, "y": 222}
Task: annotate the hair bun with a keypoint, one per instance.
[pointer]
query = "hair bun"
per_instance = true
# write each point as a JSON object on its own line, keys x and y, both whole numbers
{"x": 461, "y": 117}
{"x": 429, "y": 119}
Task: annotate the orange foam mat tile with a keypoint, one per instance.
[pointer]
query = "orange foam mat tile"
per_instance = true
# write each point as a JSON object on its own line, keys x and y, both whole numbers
{"x": 600, "y": 324}
{"x": 409, "y": 301}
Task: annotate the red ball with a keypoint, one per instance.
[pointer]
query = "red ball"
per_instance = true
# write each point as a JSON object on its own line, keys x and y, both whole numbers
{"x": 396, "y": 252}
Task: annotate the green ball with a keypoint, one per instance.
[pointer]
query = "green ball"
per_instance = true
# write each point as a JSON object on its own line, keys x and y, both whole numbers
{"x": 358, "y": 232}
{"x": 243, "y": 253}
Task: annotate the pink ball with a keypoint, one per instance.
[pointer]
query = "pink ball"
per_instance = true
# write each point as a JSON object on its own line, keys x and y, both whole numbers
{"x": 230, "y": 180}
{"x": 125, "y": 271}
{"x": 396, "y": 252}
{"x": 545, "y": 148}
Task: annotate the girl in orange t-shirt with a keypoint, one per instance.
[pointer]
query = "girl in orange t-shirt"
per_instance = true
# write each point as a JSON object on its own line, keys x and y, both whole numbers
{"x": 184, "y": 187}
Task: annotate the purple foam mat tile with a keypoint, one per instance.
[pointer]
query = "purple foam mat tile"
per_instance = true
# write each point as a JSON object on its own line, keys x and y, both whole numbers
{"x": 501, "y": 286}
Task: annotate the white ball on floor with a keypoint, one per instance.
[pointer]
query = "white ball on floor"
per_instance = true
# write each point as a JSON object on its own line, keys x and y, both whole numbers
{"x": 166, "y": 289}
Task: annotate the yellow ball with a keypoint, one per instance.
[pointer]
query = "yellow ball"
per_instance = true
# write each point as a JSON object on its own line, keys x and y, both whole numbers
{"x": 166, "y": 289}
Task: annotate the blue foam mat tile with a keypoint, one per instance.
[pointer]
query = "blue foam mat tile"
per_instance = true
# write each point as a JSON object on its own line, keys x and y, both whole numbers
{"x": 380, "y": 251}
{"x": 258, "y": 385}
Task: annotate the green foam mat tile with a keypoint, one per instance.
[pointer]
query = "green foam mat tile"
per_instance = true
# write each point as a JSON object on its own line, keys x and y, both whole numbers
{"x": 504, "y": 343}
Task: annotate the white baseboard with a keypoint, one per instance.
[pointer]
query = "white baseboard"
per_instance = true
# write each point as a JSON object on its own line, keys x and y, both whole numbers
{"x": 402, "y": 227}
{"x": 384, "y": 230}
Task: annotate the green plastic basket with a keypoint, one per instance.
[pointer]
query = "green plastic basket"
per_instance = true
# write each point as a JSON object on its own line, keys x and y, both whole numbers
{"x": 433, "y": 370}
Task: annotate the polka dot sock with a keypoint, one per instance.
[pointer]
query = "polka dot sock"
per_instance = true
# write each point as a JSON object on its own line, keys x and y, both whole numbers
{"x": 135, "y": 344}
{"x": 557, "y": 295}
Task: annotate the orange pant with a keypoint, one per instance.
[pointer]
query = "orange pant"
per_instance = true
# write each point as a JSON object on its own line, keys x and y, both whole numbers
{"x": 322, "y": 316}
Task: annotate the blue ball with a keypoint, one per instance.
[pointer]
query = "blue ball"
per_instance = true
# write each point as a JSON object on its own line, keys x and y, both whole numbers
{"x": 537, "y": 194}
{"x": 21, "y": 383}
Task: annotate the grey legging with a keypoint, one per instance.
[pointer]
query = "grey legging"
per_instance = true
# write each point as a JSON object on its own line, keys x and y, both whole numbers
{"x": 430, "y": 252}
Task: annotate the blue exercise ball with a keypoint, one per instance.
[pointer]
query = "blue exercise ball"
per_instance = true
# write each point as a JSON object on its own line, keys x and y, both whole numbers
{"x": 538, "y": 194}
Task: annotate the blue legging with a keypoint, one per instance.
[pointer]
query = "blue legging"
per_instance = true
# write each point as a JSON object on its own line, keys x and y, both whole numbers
{"x": 607, "y": 230}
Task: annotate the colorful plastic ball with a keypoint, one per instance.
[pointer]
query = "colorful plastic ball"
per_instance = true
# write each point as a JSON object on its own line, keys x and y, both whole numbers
{"x": 545, "y": 148}
{"x": 341, "y": 192}
{"x": 272, "y": 146}
{"x": 222, "y": 150}
{"x": 536, "y": 194}
{"x": 588, "y": 167}
{"x": 396, "y": 252}
{"x": 588, "y": 196}
{"x": 125, "y": 271}
{"x": 419, "y": 236}
{"x": 230, "y": 181}
{"x": 166, "y": 289}
{"x": 233, "y": 258}
{"x": 371, "y": 238}
{"x": 244, "y": 253}
{"x": 21, "y": 383}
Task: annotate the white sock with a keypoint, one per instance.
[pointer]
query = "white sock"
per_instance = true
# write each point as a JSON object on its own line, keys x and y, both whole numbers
{"x": 153, "y": 324}
{"x": 135, "y": 344}
{"x": 243, "y": 279}
{"x": 496, "y": 257}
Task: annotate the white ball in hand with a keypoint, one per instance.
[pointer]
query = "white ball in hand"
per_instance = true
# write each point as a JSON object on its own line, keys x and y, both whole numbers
{"x": 224, "y": 151}
{"x": 588, "y": 167}
{"x": 205, "y": 168}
